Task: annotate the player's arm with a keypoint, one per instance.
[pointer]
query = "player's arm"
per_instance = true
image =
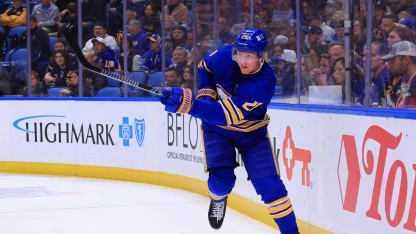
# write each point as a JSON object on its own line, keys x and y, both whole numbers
{"x": 250, "y": 103}
{"x": 206, "y": 89}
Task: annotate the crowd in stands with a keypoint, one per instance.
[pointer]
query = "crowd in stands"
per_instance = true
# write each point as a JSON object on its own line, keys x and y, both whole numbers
{"x": 322, "y": 49}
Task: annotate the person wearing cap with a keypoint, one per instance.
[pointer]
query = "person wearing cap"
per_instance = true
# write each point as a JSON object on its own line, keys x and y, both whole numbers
{"x": 100, "y": 31}
{"x": 339, "y": 31}
{"x": 138, "y": 36}
{"x": 153, "y": 57}
{"x": 285, "y": 76}
{"x": 402, "y": 63}
{"x": 104, "y": 55}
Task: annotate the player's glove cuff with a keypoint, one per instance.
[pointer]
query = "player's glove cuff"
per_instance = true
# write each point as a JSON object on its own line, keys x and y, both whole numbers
{"x": 187, "y": 101}
{"x": 177, "y": 99}
{"x": 207, "y": 93}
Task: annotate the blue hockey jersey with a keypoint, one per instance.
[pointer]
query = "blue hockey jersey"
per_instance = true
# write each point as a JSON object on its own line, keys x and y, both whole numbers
{"x": 228, "y": 100}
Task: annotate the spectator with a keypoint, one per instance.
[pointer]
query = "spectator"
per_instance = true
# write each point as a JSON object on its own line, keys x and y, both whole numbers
{"x": 100, "y": 31}
{"x": 338, "y": 74}
{"x": 322, "y": 75}
{"x": 379, "y": 75}
{"x": 306, "y": 68}
{"x": 151, "y": 20}
{"x": 173, "y": 78}
{"x": 92, "y": 11}
{"x": 153, "y": 57}
{"x": 139, "y": 37}
{"x": 402, "y": 63}
{"x": 283, "y": 12}
{"x": 178, "y": 38}
{"x": 327, "y": 32}
{"x": 131, "y": 15}
{"x": 104, "y": 55}
{"x": 388, "y": 23}
{"x": 38, "y": 90}
{"x": 46, "y": 14}
{"x": 180, "y": 59}
{"x": 40, "y": 41}
{"x": 339, "y": 29}
{"x": 61, "y": 44}
{"x": 399, "y": 33}
{"x": 15, "y": 16}
{"x": 316, "y": 50}
{"x": 313, "y": 36}
{"x": 188, "y": 77}
{"x": 224, "y": 29}
{"x": 94, "y": 81}
{"x": 134, "y": 61}
{"x": 57, "y": 70}
{"x": 286, "y": 70}
{"x": 358, "y": 36}
{"x": 336, "y": 51}
{"x": 72, "y": 89}
{"x": 177, "y": 12}
{"x": 67, "y": 16}
{"x": 204, "y": 12}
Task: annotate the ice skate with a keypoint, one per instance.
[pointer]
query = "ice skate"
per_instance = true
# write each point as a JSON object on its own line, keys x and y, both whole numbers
{"x": 216, "y": 213}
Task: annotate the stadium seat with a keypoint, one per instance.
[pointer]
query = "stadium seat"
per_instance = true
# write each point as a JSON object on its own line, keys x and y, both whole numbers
{"x": 18, "y": 30}
{"x": 137, "y": 76}
{"x": 54, "y": 92}
{"x": 109, "y": 92}
{"x": 52, "y": 41}
{"x": 19, "y": 57}
{"x": 112, "y": 82}
{"x": 156, "y": 79}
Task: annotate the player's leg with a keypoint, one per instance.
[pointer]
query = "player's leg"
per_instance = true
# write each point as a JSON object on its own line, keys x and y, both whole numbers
{"x": 220, "y": 163}
{"x": 263, "y": 172}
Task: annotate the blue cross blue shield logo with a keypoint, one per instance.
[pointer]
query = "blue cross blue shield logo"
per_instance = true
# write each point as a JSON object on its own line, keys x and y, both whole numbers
{"x": 139, "y": 128}
{"x": 125, "y": 131}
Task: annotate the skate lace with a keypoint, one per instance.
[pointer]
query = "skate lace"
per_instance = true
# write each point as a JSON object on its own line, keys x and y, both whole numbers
{"x": 218, "y": 210}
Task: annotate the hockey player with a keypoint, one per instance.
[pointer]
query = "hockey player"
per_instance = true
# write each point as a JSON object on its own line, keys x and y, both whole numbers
{"x": 235, "y": 88}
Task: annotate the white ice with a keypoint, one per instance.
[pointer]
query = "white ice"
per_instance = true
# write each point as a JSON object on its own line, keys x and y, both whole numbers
{"x": 32, "y": 204}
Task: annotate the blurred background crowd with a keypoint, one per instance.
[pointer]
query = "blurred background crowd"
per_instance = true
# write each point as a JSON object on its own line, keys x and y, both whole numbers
{"x": 165, "y": 41}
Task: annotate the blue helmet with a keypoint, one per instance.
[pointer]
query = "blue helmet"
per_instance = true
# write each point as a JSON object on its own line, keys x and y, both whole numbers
{"x": 251, "y": 40}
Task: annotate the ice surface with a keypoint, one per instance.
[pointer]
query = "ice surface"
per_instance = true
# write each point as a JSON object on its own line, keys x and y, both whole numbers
{"x": 31, "y": 204}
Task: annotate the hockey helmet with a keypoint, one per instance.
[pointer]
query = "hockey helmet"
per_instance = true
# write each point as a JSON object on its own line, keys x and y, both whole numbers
{"x": 251, "y": 40}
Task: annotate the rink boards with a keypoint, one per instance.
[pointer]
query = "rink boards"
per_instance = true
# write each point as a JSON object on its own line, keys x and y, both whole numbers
{"x": 346, "y": 170}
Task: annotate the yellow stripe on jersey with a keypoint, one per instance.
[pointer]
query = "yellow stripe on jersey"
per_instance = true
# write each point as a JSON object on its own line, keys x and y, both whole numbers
{"x": 236, "y": 118}
{"x": 206, "y": 67}
{"x": 203, "y": 65}
{"x": 213, "y": 53}
{"x": 251, "y": 106}
{"x": 240, "y": 114}
{"x": 248, "y": 126}
{"x": 227, "y": 115}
